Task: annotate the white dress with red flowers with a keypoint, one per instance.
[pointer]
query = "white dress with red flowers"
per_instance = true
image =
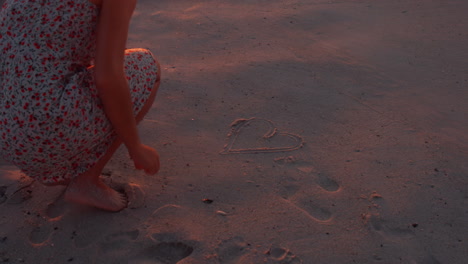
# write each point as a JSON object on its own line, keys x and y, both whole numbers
{"x": 52, "y": 123}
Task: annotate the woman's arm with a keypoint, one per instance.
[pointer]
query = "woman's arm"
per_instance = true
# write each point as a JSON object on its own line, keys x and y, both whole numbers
{"x": 110, "y": 78}
{"x": 112, "y": 84}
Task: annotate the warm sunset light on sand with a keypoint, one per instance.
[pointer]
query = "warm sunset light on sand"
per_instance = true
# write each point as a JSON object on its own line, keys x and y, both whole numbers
{"x": 289, "y": 132}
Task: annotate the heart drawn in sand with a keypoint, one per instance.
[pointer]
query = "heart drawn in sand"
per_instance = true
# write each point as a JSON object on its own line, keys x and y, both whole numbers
{"x": 257, "y": 135}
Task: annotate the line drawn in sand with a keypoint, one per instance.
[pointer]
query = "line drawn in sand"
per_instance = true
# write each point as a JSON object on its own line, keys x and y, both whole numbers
{"x": 294, "y": 141}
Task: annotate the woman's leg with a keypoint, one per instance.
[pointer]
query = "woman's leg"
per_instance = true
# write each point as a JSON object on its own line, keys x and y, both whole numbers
{"x": 99, "y": 166}
{"x": 88, "y": 189}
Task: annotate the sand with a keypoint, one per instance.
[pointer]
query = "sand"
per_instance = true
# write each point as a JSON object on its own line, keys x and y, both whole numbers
{"x": 348, "y": 142}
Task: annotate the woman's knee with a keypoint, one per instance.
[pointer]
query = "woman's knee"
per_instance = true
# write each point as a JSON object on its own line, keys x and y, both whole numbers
{"x": 147, "y": 62}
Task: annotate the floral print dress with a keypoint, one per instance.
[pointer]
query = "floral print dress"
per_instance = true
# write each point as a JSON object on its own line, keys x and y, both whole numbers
{"x": 52, "y": 123}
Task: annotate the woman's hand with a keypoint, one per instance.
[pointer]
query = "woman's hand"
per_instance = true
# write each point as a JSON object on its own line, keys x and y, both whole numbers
{"x": 145, "y": 158}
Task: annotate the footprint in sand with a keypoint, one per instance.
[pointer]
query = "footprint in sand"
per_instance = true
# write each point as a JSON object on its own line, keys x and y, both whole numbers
{"x": 327, "y": 183}
{"x": 57, "y": 208}
{"x": 136, "y": 247}
{"x": 40, "y": 235}
{"x": 170, "y": 223}
{"x": 379, "y": 225}
{"x": 118, "y": 245}
{"x": 229, "y": 251}
{"x": 41, "y": 232}
{"x": 167, "y": 252}
{"x": 312, "y": 208}
{"x": 42, "y": 222}
{"x": 409, "y": 248}
{"x": 166, "y": 237}
{"x": 282, "y": 256}
{"x": 378, "y": 220}
{"x": 290, "y": 190}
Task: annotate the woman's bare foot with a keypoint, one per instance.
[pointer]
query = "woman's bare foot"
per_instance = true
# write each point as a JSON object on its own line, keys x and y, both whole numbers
{"x": 95, "y": 193}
